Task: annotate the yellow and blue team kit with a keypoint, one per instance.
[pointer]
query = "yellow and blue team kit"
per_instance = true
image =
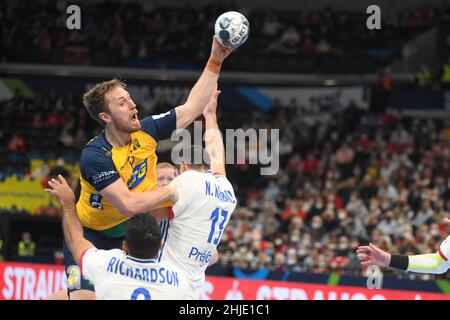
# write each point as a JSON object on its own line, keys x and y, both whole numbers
{"x": 101, "y": 164}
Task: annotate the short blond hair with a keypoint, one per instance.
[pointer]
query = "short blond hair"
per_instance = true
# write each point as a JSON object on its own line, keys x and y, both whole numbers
{"x": 94, "y": 98}
{"x": 165, "y": 165}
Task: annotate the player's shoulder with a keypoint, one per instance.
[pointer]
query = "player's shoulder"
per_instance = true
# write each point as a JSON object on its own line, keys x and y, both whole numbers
{"x": 446, "y": 241}
{"x": 218, "y": 177}
{"x": 186, "y": 176}
{"x": 96, "y": 144}
{"x": 105, "y": 253}
{"x": 214, "y": 174}
{"x": 95, "y": 256}
{"x": 159, "y": 126}
{"x": 96, "y": 148}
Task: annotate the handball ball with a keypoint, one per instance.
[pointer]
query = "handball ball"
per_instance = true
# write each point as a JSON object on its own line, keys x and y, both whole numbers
{"x": 232, "y": 29}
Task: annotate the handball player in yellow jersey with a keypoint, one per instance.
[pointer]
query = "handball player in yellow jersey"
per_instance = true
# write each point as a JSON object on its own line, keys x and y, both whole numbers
{"x": 117, "y": 168}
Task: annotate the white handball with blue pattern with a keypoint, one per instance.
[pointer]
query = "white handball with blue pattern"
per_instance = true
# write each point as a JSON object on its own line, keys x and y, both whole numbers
{"x": 232, "y": 29}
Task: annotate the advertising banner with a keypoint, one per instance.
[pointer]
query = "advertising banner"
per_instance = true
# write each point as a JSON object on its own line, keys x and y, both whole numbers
{"x": 221, "y": 288}
{"x": 25, "y": 281}
{"x": 25, "y": 194}
{"x": 21, "y": 281}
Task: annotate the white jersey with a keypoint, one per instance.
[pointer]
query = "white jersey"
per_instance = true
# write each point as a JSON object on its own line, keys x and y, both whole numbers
{"x": 190, "y": 237}
{"x": 117, "y": 276}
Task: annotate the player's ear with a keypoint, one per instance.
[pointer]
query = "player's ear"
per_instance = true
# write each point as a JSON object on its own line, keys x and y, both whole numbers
{"x": 105, "y": 117}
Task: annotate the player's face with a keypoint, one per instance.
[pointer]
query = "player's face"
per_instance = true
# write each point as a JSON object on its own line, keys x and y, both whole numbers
{"x": 122, "y": 110}
{"x": 165, "y": 176}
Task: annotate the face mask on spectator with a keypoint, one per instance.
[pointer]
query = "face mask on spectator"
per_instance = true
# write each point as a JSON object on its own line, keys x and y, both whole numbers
{"x": 343, "y": 245}
{"x": 342, "y": 215}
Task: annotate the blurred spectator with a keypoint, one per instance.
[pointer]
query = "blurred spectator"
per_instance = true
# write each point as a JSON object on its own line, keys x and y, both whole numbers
{"x": 2, "y": 254}
{"x": 277, "y": 33}
{"x": 445, "y": 77}
{"x": 17, "y": 145}
{"x": 423, "y": 77}
{"x": 26, "y": 247}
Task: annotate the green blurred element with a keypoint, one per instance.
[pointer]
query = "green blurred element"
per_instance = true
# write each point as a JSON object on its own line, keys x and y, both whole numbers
{"x": 333, "y": 279}
{"x": 444, "y": 285}
{"x": 16, "y": 84}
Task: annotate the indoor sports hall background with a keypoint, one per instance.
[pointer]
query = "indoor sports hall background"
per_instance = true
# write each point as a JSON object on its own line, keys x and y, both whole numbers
{"x": 363, "y": 113}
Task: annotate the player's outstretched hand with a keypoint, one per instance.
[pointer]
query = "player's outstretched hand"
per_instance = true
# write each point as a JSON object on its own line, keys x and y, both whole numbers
{"x": 212, "y": 104}
{"x": 218, "y": 51}
{"x": 61, "y": 191}
{"x": 372, "y": 255}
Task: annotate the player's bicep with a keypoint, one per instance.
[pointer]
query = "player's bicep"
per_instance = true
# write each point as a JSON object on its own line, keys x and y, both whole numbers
{"x": 92, "y": 261}
{"x": 118, "y": 196}
{"x": 97, "y": 168}
{"x": 184, "y": 115}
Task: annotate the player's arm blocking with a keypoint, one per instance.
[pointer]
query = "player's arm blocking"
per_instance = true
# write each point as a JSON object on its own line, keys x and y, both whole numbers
{"x": 130, "y": 203}
{"x": 72, "y": 229}
{"x": 435, "y": 263}
{"x": 427, "y": 263}
{"x": 213, "y": 138}
{"x": 204, "y": 88}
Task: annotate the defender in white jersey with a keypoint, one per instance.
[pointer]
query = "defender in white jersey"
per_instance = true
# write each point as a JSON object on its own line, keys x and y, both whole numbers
{"x": 435, "y": 263}
{"x": 199, "y": 218}
{"x": 206, "y": 202}
{"x": 132, "y": 273}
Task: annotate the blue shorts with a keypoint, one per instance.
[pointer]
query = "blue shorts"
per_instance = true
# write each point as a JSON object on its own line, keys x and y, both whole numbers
{"x": 99, "y": 240}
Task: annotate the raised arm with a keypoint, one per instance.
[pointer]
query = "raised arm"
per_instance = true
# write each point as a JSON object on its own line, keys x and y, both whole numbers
{"x": 204, "y": 88}
{"x": 213, "y": 138}
{"x": 72, "y": 229}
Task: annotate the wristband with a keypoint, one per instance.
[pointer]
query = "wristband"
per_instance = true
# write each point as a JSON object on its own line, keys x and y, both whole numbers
{"x": 399, "y": 261}
{"x": 213, "y": 65}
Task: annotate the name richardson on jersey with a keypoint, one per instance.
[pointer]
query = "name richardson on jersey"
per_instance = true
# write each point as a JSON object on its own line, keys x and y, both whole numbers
{"x": 149, "y": 274}
{"x": 223, "y": 196}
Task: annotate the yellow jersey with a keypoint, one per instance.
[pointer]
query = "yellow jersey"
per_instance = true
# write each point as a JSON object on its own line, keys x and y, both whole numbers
{"x": 101, "y": 164}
